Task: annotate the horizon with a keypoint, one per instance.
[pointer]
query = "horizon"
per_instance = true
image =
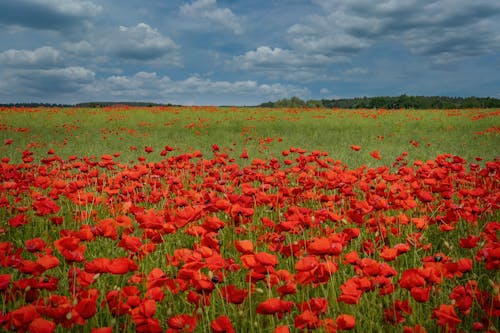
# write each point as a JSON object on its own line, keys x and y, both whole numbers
{"x": 209, "y": 52}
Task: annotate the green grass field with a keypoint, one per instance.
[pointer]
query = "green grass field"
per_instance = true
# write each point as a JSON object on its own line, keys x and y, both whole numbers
{"x": 264, "y": 132}
{"x": 152, "y": 220}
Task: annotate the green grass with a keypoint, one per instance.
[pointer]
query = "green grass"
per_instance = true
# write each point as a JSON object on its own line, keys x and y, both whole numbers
{"x": 94, "y": 132}
{"x": 264, "y": 133}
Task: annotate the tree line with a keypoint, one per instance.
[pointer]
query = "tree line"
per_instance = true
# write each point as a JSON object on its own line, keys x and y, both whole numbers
{"x": 390, "y": 102}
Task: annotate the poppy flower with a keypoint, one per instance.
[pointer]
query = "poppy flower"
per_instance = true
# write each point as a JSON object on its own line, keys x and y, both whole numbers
{"x": 307, "y": 320}
{"x": 234, "y": 295}
{"x": 18, "y": 220}
{"x": 244, "y": 246}
{"x": 345, "y": 322}
{"x": 108, "y": 329}
{"x": 355, "y": 147}
{"x": 273, "y": 306}
{"x": 244, "y": 154}
{"x": 41, "y": 325}
{"x": 282, "y": 329}
{"x": 375, "y": 154}
{"x": 446, "y": 317}
{"x": 182, "y": 323}
{"x": 221, "y": 324}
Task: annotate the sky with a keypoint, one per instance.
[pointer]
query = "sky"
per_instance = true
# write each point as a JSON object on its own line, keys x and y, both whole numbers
{"x": 227, "y": 52}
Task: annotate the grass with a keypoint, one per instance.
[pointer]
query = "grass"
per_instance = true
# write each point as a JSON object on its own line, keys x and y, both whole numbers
{"x": 91, "y": 132}
{"x": 327, "y": 177}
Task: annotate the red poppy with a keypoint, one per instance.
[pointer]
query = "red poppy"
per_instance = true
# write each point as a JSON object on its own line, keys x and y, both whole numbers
{"x": 18, "y": 220}
{"x": 40, "y": 325}
{"x": 446, "y": 317}
{"x": 324, "y": 246}
{"x": 5, "y": 281}
{"x": 182, "y": 323}
{"x": 234, "y": 295}
{"x": 244, "y": 246}
{"x": 375, "y": 154}
{"x": 307, "y": 320}
{"x": 282, "y": 329}
{"x": 108, "y": 329}
{"x": 355, "y": 147}
{"x": 222, "y": 324}
{"x": 274, "y": 306}
{"x": 388, "y": 254}
{"x": 345, "y": 322}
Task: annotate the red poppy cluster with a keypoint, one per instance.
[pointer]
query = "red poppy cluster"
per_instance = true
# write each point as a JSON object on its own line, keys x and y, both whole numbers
{"x": 210, "y": 233}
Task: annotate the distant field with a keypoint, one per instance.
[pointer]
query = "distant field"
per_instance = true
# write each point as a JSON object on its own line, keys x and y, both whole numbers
{"x": 199, "y": 219}
{"x": 263, "y": 132}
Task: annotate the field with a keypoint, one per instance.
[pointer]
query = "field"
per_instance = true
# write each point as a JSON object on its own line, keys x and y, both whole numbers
{"x": 199, "y": 219}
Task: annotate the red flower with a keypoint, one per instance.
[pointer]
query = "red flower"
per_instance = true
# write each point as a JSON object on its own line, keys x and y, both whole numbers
{"x": 108, "y": 329}
{"x": 244, "y": 246}
{"x": 355, "y": 147}
{"x": 345, "y": 322}
{"x": 282, "y": 329}
{"x": 420, "y": 294}
{"x": 234, "y": 295}
{"x": 307, "y": 319}
{"x": 18, "y": 220}
{"x": 222, "y": 324}
{"x": 324, "y": 246}
{"x": 375, "y": 154}
{"x": 446, "y": 317}
{"x": 244, "y": 154}
{"x": 274, "y": 306}
{"x": 4, "y": 281}
{"x": 182, "y": 323}
{"x": 40, "y": 325}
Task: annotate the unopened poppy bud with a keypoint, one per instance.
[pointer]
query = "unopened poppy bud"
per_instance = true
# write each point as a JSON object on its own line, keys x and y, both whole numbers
{"x": 259, "y": 290}
{"x": 447, "y": 245}
{"x": 210, "y": 275}
{"x": 96, "y": 276}
{"x": 28, "y": 288}
{"x": 69, "y": 315}
{"x": 241, "y": 313}
{"x": 199, "y": 311}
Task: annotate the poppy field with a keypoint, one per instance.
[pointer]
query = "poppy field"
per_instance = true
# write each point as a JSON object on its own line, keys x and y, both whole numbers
{"x": 205, "y": 219}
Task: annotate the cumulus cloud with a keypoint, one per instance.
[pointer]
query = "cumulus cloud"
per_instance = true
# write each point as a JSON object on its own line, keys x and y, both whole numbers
{"x": 81, "y": 48}
{"x": 208, "y": 9}
{"x": 141, "y": 42}
{"x": 44, "y": 84}
{"x": 430, "y": 28}
{"x": 41, "y": 57}
{"x": 48, "y": 14}
{"x": 153, "y": 87}
{"x": 294, "y": 65}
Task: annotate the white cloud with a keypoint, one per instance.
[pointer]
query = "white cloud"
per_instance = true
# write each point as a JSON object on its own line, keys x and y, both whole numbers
{"x": 208, "y": 9}
{"x": 356, "y": 71}
{"x": 81, "y": 48}
{"x": 41, "y": 57}
{"x": 71, "y": 7}
{"x": 435, "y": 28}
{"x": 295, "y": 65}
{"x": 66, "y": 16}
{"x": 152, "y": 87}
{"x": 141, "y": 42}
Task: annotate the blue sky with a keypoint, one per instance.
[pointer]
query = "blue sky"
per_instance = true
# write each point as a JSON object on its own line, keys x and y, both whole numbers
{"x": 215, "y": 52}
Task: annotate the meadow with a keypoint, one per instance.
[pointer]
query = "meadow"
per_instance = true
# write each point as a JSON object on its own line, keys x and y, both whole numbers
{"x": 224, "y": 219}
